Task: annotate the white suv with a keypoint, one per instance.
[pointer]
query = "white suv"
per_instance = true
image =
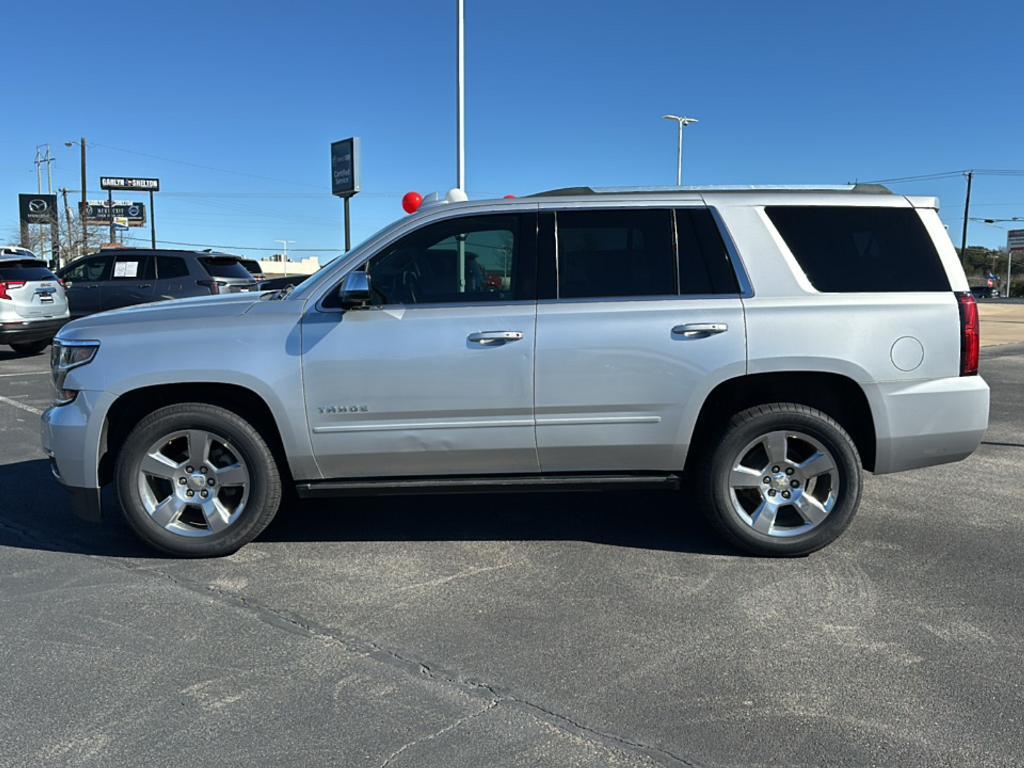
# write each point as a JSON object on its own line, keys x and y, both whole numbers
{"x": 33, "y": 305}
{"x": 760, "y": 346}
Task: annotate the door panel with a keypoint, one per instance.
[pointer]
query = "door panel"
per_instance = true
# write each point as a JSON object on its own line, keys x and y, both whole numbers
{"x": 84, "y": 283}
{"x": 404, "y": 391}
{"x": 619, "y": 383}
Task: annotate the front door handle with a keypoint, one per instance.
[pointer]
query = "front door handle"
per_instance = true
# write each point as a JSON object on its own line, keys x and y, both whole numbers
{"x": 495, "y": 337}
{"x": 144, "y": 285}
{"x": 699, "y": 330}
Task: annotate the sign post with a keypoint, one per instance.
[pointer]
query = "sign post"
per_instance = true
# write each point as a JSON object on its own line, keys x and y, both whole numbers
{"x": 133, "y": 184}
{"x": 1014, "y": 243}
{"x": 345, "y": 157}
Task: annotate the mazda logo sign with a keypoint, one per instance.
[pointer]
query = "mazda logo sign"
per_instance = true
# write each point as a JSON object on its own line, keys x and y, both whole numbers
{"x": 37, "y": 206}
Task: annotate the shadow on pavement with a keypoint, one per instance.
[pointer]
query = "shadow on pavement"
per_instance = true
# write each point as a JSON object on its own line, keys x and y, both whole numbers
{"x": 35, "y": 513}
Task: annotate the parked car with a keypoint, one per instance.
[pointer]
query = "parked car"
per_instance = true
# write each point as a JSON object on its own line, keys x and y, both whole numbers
{"x": 122, "y": 277}
{"x": 253, "y": 268}
{"x": 277, "y": 283}
{"x": 753, "y": 349}
{"x": 33, "y": 306}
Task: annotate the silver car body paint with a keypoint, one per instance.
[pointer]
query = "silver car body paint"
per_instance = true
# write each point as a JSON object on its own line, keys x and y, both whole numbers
{"x": 590, "y": 385}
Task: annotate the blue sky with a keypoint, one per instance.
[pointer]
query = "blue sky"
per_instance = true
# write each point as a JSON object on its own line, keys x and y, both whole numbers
{"x": 234, "y": 105}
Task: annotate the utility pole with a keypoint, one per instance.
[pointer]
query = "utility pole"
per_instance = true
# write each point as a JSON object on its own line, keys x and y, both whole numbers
{"x": 682, "y": 122}
{"x": 81, "y": 212}
{"x": 967, "y": 217}
{"x": 460, "y": 95}
{"x": 67, "y": 219}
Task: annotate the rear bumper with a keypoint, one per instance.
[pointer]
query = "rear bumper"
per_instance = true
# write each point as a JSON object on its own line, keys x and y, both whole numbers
{"x": 931, "y": 422}
{"x": 20, "y": 331}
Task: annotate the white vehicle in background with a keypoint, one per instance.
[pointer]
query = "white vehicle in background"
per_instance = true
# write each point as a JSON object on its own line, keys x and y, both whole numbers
{"x": 33, "y": 306}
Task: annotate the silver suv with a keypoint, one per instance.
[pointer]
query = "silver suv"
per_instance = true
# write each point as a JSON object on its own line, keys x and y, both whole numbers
{"x": 758, "y": 346}
{"x": 33, "y": 306}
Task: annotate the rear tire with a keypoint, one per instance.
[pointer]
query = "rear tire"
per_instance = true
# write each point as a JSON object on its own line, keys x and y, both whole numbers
{"x": 196, "y": 480}
{"x": 30, "y": 347}
{"x": 783, "y": 480}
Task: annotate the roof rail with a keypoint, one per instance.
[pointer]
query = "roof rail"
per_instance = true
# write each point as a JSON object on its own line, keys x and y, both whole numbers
{"x": 586, "y": 191}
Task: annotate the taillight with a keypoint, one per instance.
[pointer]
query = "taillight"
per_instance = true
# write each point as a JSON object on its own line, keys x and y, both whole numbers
{"x": 213, "y": 285}
{"x": 5, "y": 285}
{"x": 970, "y": 334}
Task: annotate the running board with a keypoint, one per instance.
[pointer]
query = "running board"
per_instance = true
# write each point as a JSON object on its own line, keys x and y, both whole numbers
{"x": 393, "y": 486}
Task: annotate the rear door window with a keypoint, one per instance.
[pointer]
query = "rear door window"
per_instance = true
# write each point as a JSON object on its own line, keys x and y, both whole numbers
{"x": 704, "y": 264}
{"x": 849, "y": 249}
{"x": 133, "y": 267}
{"x": 218, "y": 266}
{"x": 615, "y": 253}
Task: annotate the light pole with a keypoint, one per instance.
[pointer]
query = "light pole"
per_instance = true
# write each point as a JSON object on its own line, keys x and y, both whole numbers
{"x": 683, "y": 122}
{"x": 81, "y": 213}
{"x": 460, "y": 95}
{"x": 285, "y": 254}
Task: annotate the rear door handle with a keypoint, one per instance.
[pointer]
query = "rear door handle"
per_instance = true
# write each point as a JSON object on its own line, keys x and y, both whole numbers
{"x": 144, "y": 285}
{"x": 699, "y": 330}
{"x": 495, "y": 337}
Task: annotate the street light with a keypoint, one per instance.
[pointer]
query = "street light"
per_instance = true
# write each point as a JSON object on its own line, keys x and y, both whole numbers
{"x": 683, "y": 122}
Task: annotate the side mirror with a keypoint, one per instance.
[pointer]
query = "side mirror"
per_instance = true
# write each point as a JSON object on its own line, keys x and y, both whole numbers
{"x": 355, "y": 291}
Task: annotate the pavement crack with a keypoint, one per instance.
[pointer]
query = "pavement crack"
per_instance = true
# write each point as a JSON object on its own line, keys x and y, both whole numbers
{"x": 450, "y": 727}
{"x": 1003, "y": 445}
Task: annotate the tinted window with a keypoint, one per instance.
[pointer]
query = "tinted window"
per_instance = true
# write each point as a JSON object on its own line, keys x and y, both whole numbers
{"x": 848, "y": 249}
{"x": 91, "y": 269}
{"x": 168, "y": 267}
{"x": 133, "y": 267}
{"x": 612, "y": 253}
{"x": 252, "y": 266}
{"x": 469, "y": 259}
{"x": 218, "y": 266}
{"x": 704, "y": 265}
{"x": 26, "y": 273}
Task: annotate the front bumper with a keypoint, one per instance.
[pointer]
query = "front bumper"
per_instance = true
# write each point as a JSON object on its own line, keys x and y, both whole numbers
{"x": 72, "y": 440}
{"x": 931, "y": 422}
{"x": 25, "y": 331}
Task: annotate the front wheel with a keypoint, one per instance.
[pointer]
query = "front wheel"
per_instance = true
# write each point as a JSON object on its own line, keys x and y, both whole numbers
{"x": 197, "y": 480}
{"x": 784, "y": 480}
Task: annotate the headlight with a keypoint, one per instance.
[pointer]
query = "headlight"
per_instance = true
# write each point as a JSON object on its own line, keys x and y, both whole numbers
{"x": 65, "y": 355}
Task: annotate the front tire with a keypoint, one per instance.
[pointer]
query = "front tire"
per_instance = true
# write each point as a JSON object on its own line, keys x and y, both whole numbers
{"x": 784, "y": 480}
{"x": 197, "y": 480}
{"x": 30, "y": 347}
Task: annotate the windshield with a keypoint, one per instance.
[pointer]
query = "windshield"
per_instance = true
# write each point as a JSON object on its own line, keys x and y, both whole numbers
{"x": 311, "y": 282}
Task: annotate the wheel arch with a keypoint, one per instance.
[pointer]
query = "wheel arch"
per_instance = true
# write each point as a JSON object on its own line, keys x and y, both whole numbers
{"x": 839, "y": 396}
{"x": 130, "y": 407}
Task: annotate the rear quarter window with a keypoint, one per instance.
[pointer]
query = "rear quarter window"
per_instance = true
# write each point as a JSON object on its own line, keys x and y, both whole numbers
{"x": 851, "y": 249}
{"x": 221, "y": 267}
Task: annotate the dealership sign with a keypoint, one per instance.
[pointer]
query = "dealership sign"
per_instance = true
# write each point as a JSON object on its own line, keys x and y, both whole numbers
{"x": 100, "y": 212}
{"x": 140, "y": 185}
{"x": 345, "y": 167}
{"x": 37, "y": 209}
{"x": 1015, "y": 240}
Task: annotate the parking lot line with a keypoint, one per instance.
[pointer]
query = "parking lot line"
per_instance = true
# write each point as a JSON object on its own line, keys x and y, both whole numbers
{"x": 25, "y": 373}
{"x": 16, "y": 404}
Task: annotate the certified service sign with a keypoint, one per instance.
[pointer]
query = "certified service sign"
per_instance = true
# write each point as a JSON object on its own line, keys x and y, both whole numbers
{"x": 345, "y": 167}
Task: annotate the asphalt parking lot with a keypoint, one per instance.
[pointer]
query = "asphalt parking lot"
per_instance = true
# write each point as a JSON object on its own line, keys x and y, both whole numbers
{"x": 541, "y": 630}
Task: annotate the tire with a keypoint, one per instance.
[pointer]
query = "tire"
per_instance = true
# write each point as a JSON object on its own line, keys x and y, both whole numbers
{"x": 799, "y": 510}
{"x": 30, "y": 347}
{"x": 152, "y": 478}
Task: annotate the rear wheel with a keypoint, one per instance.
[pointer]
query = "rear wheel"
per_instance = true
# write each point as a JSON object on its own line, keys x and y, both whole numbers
{"x": 785, "y": 479}
{"x": 30, "y": 347}
{"x": 197, "y": 480}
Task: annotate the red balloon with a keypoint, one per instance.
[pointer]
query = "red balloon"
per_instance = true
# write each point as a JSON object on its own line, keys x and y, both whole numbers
{"x": 510, "y": 197}
{"x": 412, "y": 202}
